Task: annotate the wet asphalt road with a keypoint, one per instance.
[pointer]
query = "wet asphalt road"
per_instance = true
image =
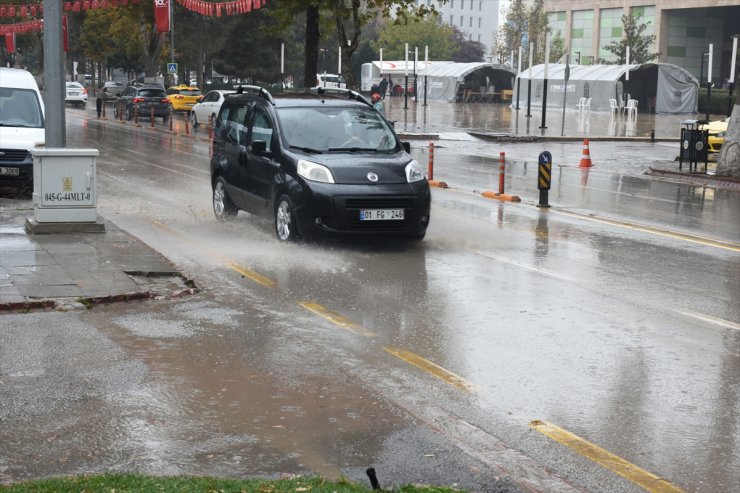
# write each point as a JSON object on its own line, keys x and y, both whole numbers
{"x": 613, "y": 315}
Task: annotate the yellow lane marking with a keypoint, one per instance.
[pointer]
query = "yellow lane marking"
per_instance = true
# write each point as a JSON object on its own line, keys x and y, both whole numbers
{"x": 244, "y": 271}
{"x": 606, "y": 459}
{"x": 250, "y": 274}
{"x": 432, "y": 368}
{"x": 336, "y": 318}
{"x": 733, "y": 247}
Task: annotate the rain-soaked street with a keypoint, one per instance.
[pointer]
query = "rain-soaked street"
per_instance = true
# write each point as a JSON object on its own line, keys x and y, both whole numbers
{"x": 591, "y": 346}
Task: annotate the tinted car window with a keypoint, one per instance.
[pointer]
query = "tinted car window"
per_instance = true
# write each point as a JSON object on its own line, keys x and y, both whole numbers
{"x": 325, "y": 128}
{"x": 261, "y": 127}
{"x": 235, "y": 121}
{"x": 190, "y": 92}
{"x": 151, "y": 93}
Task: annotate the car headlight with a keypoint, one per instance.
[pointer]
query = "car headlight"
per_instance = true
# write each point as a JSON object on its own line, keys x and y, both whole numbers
{"x": 720, "y": 135}
{"x": 414, "y": 172}
{"x": 314, "y": 172}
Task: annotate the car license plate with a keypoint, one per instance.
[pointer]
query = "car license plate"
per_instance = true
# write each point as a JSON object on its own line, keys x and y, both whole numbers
{"x": 10, "y": 171}
{"x": 381, "y": 215}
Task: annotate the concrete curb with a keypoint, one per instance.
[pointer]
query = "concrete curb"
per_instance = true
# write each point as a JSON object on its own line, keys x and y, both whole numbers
{"x": 697, "y": 179}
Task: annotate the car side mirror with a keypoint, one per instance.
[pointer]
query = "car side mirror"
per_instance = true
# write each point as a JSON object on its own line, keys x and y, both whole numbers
{"x": 200, "y": 99}
{"x": 406, "y": 147}
{"x": 259, "y": 147}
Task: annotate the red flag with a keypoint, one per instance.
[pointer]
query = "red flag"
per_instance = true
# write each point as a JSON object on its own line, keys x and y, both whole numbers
{"x": 10, "y": 43}
{"x": 162, "y": 15}
{"x": 64, "y": 33}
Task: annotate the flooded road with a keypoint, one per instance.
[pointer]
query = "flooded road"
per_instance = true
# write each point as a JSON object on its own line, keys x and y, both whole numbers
{"x": 612, "y": 316}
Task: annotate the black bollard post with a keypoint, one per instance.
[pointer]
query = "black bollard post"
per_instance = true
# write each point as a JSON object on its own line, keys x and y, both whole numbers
{"x": 652, "y": 135}
{"x": 543, "y": 126}
{"x": 373, "y": 478}
{"x": 544, "y": 173}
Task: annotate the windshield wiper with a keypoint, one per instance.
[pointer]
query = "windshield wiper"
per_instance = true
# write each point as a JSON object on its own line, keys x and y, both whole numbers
{"x": 307, "y": 149}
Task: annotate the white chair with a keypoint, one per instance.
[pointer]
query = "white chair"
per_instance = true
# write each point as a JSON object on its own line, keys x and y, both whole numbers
{"x": 587, "y": 104}
{"x": 613, "y": 106}
{"x": 632, "y": 108}
{"x": 581, "y": 103}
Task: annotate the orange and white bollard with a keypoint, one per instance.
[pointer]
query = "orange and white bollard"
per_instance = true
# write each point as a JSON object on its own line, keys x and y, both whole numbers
{"x": 151, "y": 117}
{"x": 586, "y": 157}
{"x": 431, "y": 161}
{"x": 187, "y": 125}
{"x": 136, "y": 116}
{"x": 169, "y": 117}
{"x": 210, "y": 126}
{"x": 501, "y": 172}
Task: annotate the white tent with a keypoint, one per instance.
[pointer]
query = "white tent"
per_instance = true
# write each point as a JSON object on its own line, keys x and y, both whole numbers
{"x": 660, "y": 87}
{"x": 446, "y": 81}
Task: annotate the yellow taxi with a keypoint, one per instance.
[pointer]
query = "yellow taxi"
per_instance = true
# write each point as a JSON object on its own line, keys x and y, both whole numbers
{"x": 183, "y": 97}
{"x": 717, "y": 130}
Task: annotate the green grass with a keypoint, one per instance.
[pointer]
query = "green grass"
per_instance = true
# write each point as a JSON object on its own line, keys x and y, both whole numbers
{"x": 129, "y": 483}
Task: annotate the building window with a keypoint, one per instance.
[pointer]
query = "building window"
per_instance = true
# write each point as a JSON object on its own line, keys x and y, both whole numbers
{"x": 480, "y": 6}
{"x": 471, "y": 5}
{"x": 452, "y": 4}
{"x": 461, "y": 21}
{"x": 471, "y": 21}
{"x": 479, "y": 20}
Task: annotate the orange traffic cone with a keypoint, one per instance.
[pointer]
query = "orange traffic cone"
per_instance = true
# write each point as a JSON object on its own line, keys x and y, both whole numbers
{"x": 586, "y": 157}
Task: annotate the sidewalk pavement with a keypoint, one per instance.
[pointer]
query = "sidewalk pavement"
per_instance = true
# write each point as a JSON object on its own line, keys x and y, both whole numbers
{"x": 77, "y": 270}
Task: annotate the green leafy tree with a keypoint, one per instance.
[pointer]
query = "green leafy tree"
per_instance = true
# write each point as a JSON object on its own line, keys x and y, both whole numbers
{"x": 465, "y": 49}
{"x": 633, "y": 37}
{"x": 428, "y": 32}
{"x": 350, "y": 18}
{"x": 514, "y": 32}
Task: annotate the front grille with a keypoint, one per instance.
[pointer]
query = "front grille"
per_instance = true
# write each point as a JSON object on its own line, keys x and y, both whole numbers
{"x": 13, "y": 155}
{"x": 379, "y": 203}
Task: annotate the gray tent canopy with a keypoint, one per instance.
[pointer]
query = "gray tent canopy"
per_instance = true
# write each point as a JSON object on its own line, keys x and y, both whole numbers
{"x": 447, "y": 81}
{"x": 660, "y": 87}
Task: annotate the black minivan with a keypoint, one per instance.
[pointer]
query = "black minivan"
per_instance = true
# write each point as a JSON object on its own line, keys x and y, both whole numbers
{"x": 324, "y": 161}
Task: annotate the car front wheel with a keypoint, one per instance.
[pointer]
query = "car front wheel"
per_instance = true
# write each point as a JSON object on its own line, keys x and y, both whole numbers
{"x": 193, "y": 119}
{"x": 285, "y": 224}
{"x": 223, "y": 208}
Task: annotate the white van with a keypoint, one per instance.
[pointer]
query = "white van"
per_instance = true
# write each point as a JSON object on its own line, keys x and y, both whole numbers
{"x": 21, "y": 125}
{"x": 331, "y": 81}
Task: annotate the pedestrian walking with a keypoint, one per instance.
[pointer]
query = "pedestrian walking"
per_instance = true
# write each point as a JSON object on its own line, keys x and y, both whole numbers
{"x": 383, "y": 87}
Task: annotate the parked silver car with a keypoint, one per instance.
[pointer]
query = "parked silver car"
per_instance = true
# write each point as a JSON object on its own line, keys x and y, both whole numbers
{"x": 110, "y": 90}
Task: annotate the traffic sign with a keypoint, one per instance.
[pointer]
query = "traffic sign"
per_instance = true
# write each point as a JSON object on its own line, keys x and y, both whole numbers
{"x": 172, "y": 68}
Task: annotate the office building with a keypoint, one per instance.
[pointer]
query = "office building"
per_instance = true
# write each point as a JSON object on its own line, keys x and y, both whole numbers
{"x": 683, "y": 30}
{"x": 476, "y": 19}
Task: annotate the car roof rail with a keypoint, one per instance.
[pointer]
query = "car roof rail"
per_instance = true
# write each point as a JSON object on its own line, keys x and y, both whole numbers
{"x": 337, "y": 90}
{"x": 261, "y": 91}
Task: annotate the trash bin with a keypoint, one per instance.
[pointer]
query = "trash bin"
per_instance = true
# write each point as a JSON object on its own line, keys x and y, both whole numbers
{"x": 694, "y": 144}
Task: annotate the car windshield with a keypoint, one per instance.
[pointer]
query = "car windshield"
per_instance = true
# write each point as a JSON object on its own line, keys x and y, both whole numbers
{"x": 20, "y": 108}
{"x": 190, "y": 92}
{"x": 151, "y": 93}
{"x": 334, "y": 128}
{"x": 76, "y": 85}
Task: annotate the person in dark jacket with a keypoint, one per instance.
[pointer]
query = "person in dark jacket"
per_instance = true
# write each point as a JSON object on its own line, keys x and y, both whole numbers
{"x": 383, "y": 87}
